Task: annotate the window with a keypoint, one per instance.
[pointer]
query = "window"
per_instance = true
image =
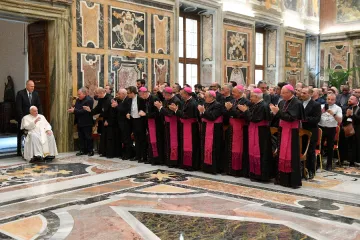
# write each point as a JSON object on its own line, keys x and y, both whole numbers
{"x": 189, "y": 49}
{"x": 259, "y": 55}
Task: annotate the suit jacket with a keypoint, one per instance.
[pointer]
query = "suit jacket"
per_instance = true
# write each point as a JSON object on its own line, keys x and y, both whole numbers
{"x": 312, "y": 115}
{"x": 82, "y": 117}
{"x": 23, "y": 104}
{"x": 140, "y": 104}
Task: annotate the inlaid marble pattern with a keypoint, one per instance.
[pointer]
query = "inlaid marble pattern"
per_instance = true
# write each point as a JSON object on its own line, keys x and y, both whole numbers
{"x": 89, "y": 24}
{"x": 207, "y": 37}
{"x": 293, "y": 54}
{"x": 131, "y": 200}
{"x": 207, "y": 73}
{"x": 339, "y": 56}
{"x": 271, "y": 47}
{"x": 293, "y": 77}
{"x": 125, "y": 71}
{"x": 160, "y": 34}
{"x": 160, "y": 71}
{"x": 236, "y": 46}
{"x": 91, "y": 71}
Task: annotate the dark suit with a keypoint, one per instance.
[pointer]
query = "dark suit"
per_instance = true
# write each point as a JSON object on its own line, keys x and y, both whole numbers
{"x": 123, "y": 108}
{"x": 139, "y": 131}
{"x": 312, "y": 118}
{"x": 84, "y": 121}
{"x": 23, "y": 108}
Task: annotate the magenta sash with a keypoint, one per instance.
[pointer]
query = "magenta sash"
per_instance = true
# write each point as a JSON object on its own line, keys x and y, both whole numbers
{"x": 173, "y": 137}
{"x": 187, "y": 140}
{"x": 152, "y": 134}
{"x": 237, "y": 143}
{"x": 254, "y": 147}
{"x": 209, "y": 137}
{"x": 285, "y": 145}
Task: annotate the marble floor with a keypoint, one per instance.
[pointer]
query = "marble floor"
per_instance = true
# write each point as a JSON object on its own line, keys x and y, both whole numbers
{"x": 97, "y": 198}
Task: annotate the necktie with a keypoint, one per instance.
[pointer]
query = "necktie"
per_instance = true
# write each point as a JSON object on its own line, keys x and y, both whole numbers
{"x": 30, "y": 97}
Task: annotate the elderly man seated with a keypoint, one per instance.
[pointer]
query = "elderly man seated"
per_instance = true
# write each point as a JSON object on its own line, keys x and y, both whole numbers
{"x": 40, "y": 142}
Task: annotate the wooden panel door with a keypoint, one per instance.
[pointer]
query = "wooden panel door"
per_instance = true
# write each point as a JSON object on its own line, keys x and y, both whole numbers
{"x": 38, "y": 56}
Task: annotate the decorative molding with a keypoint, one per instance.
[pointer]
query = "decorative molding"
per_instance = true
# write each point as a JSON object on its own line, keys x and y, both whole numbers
{"x": 292, "y": 35}
{"x": 238, "y": 23}
{"x": 66, "y": 2}
{"x": 152, "y": 3}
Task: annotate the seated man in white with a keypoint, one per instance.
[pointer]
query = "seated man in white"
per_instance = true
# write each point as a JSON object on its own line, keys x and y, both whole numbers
{"x": 40, "y": 142}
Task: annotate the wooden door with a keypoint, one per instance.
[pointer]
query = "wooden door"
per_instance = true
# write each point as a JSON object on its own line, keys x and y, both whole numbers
{"x": 38, "y": 57}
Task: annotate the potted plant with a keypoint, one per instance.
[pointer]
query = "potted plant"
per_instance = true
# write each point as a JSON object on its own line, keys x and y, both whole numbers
{"x": 338, "y": 77}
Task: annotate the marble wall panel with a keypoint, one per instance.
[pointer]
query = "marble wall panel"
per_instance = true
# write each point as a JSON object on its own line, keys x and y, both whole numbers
{"x": 160, "y": 71}
{"x": 236, "y": 46}
{"x": 293, "y": 77}
{"x": 271, "y": 47}
{"x": 237, "y": 74}
{"x": 207, "y": 74}
{"x": 293, "y": 54}
{"x": 312, "y": 9}
{"x": 338, "y": 56}
{"x": 125, "y": 71}
{"x": 270, "y": 76}
{"x": 90, "y": 71}
{"x": 207, "y": 37}
{"x": 160, "y": 34}
{"x": 322, "y": 63}
{"x": 89, "y": 24}
{"x": 128, "y": 30}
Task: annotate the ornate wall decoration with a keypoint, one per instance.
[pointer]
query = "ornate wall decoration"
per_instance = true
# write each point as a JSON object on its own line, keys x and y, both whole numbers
{"x": 90, "y": 71}
{"x": 293, "y": 76}
{"x": 160, "y": 71}
{"x": 338, "y": 56}
{"x": 125, "y": 72}
{"x": 347, "y": 11}
{"x": 128, "y": 30}
{"x": 237, "y": 74}
{"x": 89, "y": 24}
{"x": 322, "y": 64}
{"x": 271, "y": 48}
{"x": 291, "y": 4}
{"x": 270, "y": 76}
{"x": 206, "y": 74}
{"x": 207, "y": 37}
{"x": 293, "y": 54}
{"x": 160, "y": 34}
{"x": 236, "y": 46}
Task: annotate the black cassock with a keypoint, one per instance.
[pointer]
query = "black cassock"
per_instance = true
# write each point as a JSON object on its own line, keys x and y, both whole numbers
{"x": 236, "y": 160}
{"x": 355, "y": 139}
{"x": 290, "y": 114}
{"x": 189, "y": 136}
{"x": 211, "y": 135}
{"x": 171, "y": 137}
{"x": 259, "y": 118}
{"x": 155, "y": 130}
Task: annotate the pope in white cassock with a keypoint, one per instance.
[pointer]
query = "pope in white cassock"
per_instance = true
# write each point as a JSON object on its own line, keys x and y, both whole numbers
{"x": 40, "y": 142}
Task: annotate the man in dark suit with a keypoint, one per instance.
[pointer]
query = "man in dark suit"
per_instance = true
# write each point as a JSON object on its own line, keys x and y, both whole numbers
{"x": 312, "y": 118}
{"x": 263, "y": 86}
{"x": 24, "y": 100}
{"x": 138, "y": 119}
{"x": 84, "y": 121}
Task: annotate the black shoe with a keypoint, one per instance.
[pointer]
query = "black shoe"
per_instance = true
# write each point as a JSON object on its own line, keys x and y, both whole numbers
{"x": 80, "y": 153}
{"x": 90, "y": 154}
{"x": 49, "y": 158}
{"x": 311, "y": 175}
{"x": 19, "y": 154}
{"x": 125, "y": 158}
{"x": 135, "y": 159}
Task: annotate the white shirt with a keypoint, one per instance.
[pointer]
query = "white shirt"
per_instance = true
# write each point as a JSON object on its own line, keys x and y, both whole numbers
{"x": 305, "y": 103}
{"x": 134, "y": 108}
{"x": 328, "y": 120}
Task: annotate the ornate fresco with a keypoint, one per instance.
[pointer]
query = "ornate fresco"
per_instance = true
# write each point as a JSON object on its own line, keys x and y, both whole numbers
{"x": 347, "y": 11}
{"x": 91, "y": 71}
{"x": 236, "y": 46}
{"x": 125, "y": 71}
{"x": 339, "y": 56}
{"x": 160, "y": 34}
{"x": 293, "y": 77}
{"x": 128, "y": 30}
{"x": 160, "y": 71}
{"x": 237, "y": 74}
{"x": 207, "y": 37}
{"x": 89, "y": 24}
{"x": 293, "y": 54}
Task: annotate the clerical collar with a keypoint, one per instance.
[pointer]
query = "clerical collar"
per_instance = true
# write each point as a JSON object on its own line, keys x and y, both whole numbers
{"x": 189, "y": 98}
{"x": 307, "y": 101}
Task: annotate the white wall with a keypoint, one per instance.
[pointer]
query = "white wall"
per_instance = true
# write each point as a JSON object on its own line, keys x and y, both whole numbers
{"x": 13, "y": 60}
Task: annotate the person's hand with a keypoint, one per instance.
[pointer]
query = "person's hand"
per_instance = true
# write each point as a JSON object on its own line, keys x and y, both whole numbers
{"x": 128, "y": 116}
{"x": 71, "y": 110}
{"x": 49, "y": 132}
{"x": 242, "y": 108}
{"x": 37, "y": 119}
{"x": 106, "y": 123}
{"x": 201, "y": 108}
{"x": 173, "y": 107}
{"x": 274, "y": 108}
{"x": 114, "y": 103}
{"x": 87, "y": 108}
{"x": 158, "y": 104}
{"x": 228, "y": 105}
{"x": 330, "y": 112}
{"x": 161, "y": 88}
{"x": 142, "y": 113}
{"x": 349, "y": 112}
